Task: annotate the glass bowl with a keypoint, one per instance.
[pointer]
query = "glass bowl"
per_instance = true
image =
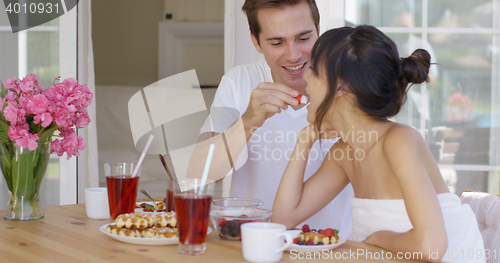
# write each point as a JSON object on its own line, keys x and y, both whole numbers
{"x": 236, "y": 202}
{"x": 227, "y": 220}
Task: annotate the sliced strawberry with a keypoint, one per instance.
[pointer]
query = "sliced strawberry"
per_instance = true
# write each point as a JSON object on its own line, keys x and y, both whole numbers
{"x": 327, "y": 232}
{"x": 295, "y": 240}
{"x": 149, "y": 208}
{"x": 305, "y": 228}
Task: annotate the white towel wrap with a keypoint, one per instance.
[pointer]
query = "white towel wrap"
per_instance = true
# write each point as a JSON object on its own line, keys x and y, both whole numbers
{"x": 465, "y": 242}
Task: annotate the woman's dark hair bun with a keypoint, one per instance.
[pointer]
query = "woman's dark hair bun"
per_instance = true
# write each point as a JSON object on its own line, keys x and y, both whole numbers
{"x": 416, "y": 66}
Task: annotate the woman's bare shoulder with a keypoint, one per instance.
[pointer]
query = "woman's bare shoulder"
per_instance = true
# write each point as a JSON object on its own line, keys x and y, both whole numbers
{"x": 400, "y": 138}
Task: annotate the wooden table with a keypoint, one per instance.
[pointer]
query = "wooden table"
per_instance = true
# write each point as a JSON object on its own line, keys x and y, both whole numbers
{"x": 66, "y": 234}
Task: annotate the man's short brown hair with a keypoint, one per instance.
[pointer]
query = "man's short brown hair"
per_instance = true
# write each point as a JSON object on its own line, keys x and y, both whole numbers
{"x": 251, "y": 8}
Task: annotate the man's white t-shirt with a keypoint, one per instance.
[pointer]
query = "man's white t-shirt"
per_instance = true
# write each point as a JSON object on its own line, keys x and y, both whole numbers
{"x": 261, "y": 165}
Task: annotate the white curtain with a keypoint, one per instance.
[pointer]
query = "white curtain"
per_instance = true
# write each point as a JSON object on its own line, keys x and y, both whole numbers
{"x": 88, "y": 165}
{"x": 238, "y": 47}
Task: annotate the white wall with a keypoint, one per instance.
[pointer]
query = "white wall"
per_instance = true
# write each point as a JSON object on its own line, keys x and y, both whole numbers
{"x": 208, "y": 60}
{"x": 196, "y": 10}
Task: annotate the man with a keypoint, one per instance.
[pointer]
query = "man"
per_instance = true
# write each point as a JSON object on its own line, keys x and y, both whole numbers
{"x": 258, "y": 140}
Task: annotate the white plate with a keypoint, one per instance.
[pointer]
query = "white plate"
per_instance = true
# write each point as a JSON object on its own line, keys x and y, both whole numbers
{"x": 140, "y": 240}
{"x": 317, "y": 248}
{"x": 144, "y": 240}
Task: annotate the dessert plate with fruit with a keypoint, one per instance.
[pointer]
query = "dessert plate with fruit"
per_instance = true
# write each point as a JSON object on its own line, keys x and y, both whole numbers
{"x": 148, "y": 207}
{"x": 312, "y": 240}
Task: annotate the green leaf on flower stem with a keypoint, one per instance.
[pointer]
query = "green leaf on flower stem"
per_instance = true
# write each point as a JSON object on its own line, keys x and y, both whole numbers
{"x": 40, "y": 168}
{"x": 4, "y": 91}
{"x": 41, "y": 160}
{"x": 33, "y": 127}
{"x": 45, "y": 135}
{"x": 4, "y": 128}
{"x": 6, "y": 165}
{"x": 22, "y": 173}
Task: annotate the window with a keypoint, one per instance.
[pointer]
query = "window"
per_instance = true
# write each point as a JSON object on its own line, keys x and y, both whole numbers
{"x": 458, "y": 112}
{"x": 48, "y": 50}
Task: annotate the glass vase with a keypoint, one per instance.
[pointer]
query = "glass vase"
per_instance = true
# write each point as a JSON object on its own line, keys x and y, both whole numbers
{"x": 23, "y": 171}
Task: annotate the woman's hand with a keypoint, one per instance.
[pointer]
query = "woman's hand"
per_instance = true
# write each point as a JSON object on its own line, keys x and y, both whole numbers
{"x": 309, "y": 134}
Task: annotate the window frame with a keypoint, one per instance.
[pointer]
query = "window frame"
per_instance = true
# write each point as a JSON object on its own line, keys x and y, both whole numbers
{"x": 493, "y": 168}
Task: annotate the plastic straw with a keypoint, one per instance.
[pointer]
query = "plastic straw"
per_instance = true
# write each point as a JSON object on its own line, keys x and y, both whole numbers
{"x": 207, "y": 167}
{"x": 143, "y": 154}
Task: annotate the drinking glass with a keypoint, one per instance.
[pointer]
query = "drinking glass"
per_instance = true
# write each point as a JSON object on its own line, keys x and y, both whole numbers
{"x": 169, "y": 199}
{"x": 122, "y": 187}
{"x": 192, "y": 207}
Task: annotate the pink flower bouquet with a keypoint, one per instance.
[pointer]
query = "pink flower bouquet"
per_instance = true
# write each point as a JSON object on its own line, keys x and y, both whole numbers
{"x": 34, "y": 122}
{"x": 32, "y": 113}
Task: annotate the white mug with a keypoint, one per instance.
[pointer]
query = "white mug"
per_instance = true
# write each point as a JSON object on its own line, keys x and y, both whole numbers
{"x": 264, "y": 242}
{"x": 96, "y": 203}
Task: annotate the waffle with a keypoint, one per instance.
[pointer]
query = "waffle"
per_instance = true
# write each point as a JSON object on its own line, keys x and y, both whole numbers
{"x": 113, "y": 229}
{"x": 160, "y": 232}
{"x": 135, "y": 221}
{"x": 149, "y": 225}
{"x": 160, "y": 206}
{"x": 165, "y": 219}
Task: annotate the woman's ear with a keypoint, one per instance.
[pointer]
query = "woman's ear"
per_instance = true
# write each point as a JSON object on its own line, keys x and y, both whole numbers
{"x": 341, "y": 89}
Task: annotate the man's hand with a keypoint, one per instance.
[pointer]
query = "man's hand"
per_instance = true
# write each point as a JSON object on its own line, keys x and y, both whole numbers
{"x": 266, "y": 100}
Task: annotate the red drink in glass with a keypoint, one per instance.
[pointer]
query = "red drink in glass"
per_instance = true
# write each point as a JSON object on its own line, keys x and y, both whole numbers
{"x": 169, "y": 202}
{"x": 122, "y": 194}
{"x": 193, "y": 212}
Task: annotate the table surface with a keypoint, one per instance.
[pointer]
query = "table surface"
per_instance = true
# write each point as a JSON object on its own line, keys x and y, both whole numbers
{"x": 66, "y": 234}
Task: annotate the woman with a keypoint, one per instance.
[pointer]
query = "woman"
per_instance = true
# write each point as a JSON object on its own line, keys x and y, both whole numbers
{"x": 356, "y": 81}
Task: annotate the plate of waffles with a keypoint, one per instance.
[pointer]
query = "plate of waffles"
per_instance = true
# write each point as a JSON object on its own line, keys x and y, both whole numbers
{"x": 137, "y": 236}
{"x": 143, "y": 240}
{"x": 159, "y": 228}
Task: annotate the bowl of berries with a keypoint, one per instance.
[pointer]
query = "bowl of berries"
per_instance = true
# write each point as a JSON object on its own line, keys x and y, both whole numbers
{"x": 227, "y": 220}
{"x": 236, "y": 202}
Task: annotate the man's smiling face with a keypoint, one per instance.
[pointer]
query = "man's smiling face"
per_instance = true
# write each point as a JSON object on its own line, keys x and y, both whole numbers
{"x": 287, "y": 37}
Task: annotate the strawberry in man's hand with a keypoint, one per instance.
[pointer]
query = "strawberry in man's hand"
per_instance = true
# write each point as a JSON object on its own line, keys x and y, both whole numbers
{"x": 302, "y": 99}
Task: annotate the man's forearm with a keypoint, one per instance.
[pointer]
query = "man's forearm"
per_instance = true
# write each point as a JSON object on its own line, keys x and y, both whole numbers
{"x": 228, "y": 146}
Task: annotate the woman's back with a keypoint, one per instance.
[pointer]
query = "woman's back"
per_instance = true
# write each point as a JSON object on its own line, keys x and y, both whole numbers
{"x": 368, "y": 167}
